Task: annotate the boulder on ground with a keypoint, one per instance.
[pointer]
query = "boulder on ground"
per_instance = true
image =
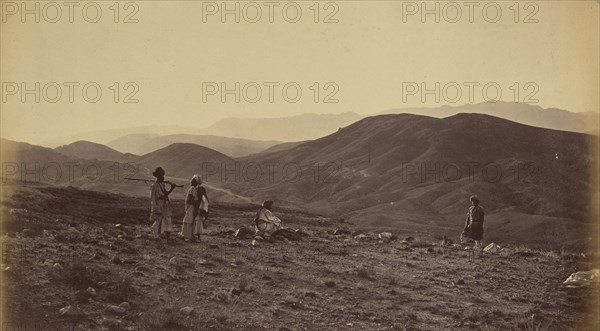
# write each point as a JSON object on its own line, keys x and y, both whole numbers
{"x": 186, "y": 310}
{"x": 492, "y": 248}
{"x": 583, "y": 278}
{"x": 116, "y": 310}
{"x": 387, "y": 236}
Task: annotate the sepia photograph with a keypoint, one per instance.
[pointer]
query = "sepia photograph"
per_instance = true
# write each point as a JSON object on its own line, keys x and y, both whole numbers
{"x": 190, "y": 165}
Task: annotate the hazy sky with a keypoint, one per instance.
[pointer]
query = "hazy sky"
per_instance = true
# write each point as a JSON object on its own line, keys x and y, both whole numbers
{"x": 369, "y": 52}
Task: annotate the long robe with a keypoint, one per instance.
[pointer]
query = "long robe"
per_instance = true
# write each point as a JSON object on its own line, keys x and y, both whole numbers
{"x": 193, "y": 221}
{"x": 266, "y": 222}
{"x": 474, "y": 223}
{"x": 160, "y": 209}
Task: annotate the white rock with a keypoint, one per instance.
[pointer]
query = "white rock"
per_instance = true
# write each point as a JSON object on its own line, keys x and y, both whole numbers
{"x": 186, "y": 310}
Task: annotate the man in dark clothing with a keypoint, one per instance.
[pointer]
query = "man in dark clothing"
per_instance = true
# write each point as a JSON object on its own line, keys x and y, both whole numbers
{"x": 474, "y": 223}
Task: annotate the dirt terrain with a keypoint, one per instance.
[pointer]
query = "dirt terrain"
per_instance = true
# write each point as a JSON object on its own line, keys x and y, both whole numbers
{"x": 83, "y": 260}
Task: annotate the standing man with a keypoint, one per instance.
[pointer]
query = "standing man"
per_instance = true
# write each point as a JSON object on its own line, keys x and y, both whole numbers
{"x": 160, "y": 208}
{"x": 474, "y": 223}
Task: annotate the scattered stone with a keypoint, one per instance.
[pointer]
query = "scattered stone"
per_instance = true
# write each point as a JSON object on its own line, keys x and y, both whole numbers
{"x": 66, "y": 311}
{"x": 70, "y": 311}
{"x": 142, "y": 268}
{"x": 125, "y": 305}
{"x": 118, "y": 225}
{"x": 460, "y": 282}
{"x": 582, "y": 278}
{"x": 409, "y": 239}
{"x": 492, "y": 248}
{"x": 146, "y": 256}
{"x": 186, "y": 310}
{"x": 387, "y": 236}
{"x": 338, "y": 232}
{"x": 116, "y": 310}
{"x": 91, "y": 291}
{"x": 111, "y": 322}
{"x": 236, "y": 291}
{"x": 57, "y": 266}
{"x": 429, "y": 249}
{"x": 213, "y": 246}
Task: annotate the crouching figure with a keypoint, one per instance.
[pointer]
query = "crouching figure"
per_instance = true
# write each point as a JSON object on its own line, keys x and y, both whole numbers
{"x": 265, "y": 223}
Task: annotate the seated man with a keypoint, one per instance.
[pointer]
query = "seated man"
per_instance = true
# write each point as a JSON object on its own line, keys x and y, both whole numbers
{"x": 265, "y": 223}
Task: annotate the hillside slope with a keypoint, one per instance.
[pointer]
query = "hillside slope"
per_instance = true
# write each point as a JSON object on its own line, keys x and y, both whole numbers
{"x": 391, "y": 169}
{"x": 82, "y": 260}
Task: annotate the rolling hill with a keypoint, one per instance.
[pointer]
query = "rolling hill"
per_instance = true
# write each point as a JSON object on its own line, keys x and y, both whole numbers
{"x": 182, "y": 160}
{"x": 89, "y": 150}
{"x": 398, "y": 169}
{"x": 233, "y": 147}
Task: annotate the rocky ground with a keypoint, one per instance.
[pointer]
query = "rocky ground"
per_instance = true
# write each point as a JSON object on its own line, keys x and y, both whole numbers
{"x": 82, "y": 260}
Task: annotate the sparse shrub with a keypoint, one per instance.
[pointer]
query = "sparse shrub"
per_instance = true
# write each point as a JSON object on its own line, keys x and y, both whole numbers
{"x": 366, "y": 273}
{"x": 330, "y": 283}
{"x": 529, "y": 323}
{"x": 246, "y": 285}
{"x": 78, "y": 275}
{"x": 419, "y": 243}
{"x": 122, "y": 290}
{"x": 222, "y": 295}
{"x": 239, "y": 261}
{"x": 166, "y": 319}
{"x": 214, "y": 257}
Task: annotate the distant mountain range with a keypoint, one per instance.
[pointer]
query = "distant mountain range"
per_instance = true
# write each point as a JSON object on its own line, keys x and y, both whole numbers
{"x": 550, "y": 118}
{"x": 293, "y": 128}
{"x": 266, "y": 130}
{"x": 382, "y": 171}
